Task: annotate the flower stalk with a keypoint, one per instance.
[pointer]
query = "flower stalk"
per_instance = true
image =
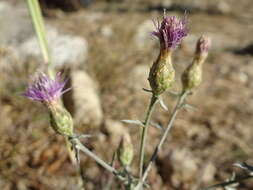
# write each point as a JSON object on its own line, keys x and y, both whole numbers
{"x": 37, "y": 19}
{"x": 170, "y": 33}
{"x": 79, "y": 146}
{"x": 178, "y": 106}
{"x": 192, "y": 77}
{"x": 152, "y": 103}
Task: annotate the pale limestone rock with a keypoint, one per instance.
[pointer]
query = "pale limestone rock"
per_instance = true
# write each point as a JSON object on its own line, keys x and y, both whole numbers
{"x": 87, "y": 106}
{"x": 66, "y": 50}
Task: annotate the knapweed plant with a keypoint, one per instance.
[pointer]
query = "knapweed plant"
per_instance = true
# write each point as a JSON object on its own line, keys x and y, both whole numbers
{"x": 48, "y": 89}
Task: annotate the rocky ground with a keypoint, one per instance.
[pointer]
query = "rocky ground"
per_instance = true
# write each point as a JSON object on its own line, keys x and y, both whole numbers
{"x": 106, "y": 50}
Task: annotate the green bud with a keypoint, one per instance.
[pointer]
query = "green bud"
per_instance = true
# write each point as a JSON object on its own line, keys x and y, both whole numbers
{"x": 162, "y": 73}
{"x": 125, "y": 150}
{"x": 192, "y": 76}
{"x": 61, "y": 120}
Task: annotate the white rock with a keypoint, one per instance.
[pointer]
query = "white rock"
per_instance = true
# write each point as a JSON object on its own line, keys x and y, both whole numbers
{"x": 15, "y": 24}
{"x": 86, "y": 100}
{"x": 184, "y": 164}
{"x": 143, "y": 37}
{"x": 116, "y": 130}
{"x": 138, "y": 79}
{"x": 9, "y": 59}
{"x": 66, "y": 50}
{"x": 223, "y": 7}
{"x": 208, "y": 173}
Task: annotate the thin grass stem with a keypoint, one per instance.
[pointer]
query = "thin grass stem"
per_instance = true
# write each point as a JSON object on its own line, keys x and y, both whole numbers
{"x": 37, "y": 19}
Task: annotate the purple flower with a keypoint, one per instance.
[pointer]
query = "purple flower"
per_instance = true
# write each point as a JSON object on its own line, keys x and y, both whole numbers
{"x": 45, "y": 89}
{"x": 171, "y": 31}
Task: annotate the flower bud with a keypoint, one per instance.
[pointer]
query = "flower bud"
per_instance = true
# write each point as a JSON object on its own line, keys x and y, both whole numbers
{"x": 202, "y": 48}
{"x": 162, "y": 73}
{"x": 192, "y": 76}
{"x": 60, "y": 120}
{"x": 125, "y": 150}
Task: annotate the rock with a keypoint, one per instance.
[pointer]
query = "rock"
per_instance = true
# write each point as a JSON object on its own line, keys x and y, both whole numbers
{"x": 214, "y": 6}
{"x": 223, "y": 7}
{"x": 66, "y": 50}
{"x": 185, "y": 165}
{"x": 138, "y": 79}
{"x": 9, "y": 59}
{"x": 87, "y": 106}
{"x": 143, "y": 37}
{"x": 15, "y": 27}
{"x": 115, "y": 129}
{"x": 208, "y": 173}
{"x": 179, "y": 166}
{"x": 135, "y": 82}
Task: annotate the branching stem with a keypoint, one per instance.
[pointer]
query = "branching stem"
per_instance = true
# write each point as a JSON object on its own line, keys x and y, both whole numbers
{"x": 179, "y": 104}
{"x": 78, "y": 145}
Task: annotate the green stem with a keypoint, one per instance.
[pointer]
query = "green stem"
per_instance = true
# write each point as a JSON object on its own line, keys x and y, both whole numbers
{"x": 35, "y": 12}
{"x": 78, "y": 145}
{"x": 224, "y": 184}
{"x": 153, "y": 100}
{"x": 179, "y": 104}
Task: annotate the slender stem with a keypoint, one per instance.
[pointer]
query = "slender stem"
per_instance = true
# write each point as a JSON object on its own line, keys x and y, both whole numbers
{"x": 179, "y": 104}
{"x": 151, "y": 106}
{"x": 78, "y": 145}
{"x": 81, "y": 177}
{"x": 35, "y": 12}
{"x": 224, "y": 184}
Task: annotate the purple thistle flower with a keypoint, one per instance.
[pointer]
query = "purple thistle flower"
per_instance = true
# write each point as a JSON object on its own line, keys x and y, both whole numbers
{"x": 171, "y": 31}
{"x": 45, "y": 89}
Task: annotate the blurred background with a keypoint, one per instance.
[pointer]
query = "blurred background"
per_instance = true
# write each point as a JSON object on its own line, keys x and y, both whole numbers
{"x": 105, "y": 48}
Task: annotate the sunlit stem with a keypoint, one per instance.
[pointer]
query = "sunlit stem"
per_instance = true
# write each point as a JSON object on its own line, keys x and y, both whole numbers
{"x": 179, "y": 104}
{"x": 35, "y": 12}
{"x": 79, "y": 146}
{"x": 152, "y": 103}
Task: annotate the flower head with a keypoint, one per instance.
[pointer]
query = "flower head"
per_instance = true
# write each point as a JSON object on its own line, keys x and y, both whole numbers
{"x": 171, "y": 31}
{"x": 45, "y": 89}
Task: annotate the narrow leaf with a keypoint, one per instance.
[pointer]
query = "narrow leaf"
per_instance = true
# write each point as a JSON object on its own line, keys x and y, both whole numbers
{"x": 163, "y": 104}
{"x": 135, "y": 122}
{"x": 156, "y": 125}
